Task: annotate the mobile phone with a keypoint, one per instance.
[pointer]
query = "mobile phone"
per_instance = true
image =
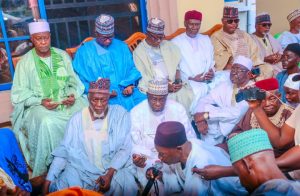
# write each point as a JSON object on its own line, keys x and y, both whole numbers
{"x": 177, "y": 81}
{"x": 255, "y": 71}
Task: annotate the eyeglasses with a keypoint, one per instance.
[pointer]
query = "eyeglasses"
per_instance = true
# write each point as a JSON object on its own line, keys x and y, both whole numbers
{"x": 238, "y": 71}
{"x": 266, "y": 24}
{"x": 157, "y": 37}
{"x": 103, "y": 38}
{"x": 230, "y": 21}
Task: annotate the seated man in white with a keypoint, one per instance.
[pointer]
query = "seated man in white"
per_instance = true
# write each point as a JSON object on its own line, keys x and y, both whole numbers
{"x": 218, "y": 112}
{"x": 145, "y": 117}
{"x": 197, "y": 62}
{"x": 95, "y": 152}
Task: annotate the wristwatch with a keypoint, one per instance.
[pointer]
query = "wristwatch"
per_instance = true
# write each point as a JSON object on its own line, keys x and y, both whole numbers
{"x": 206, "y": 115}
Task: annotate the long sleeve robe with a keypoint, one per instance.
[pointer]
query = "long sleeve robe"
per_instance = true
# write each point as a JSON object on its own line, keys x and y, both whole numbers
{"x": 144, "y": 124}
{"x": 72, "y": 165}
{"x": 200, "y": 156}
{"x": 171, "y": 57}
{"x": 114, "y": 62}
{"x": 223, "y": 115}
{"x": 224, "y": 50}
{"x": 38, "y": 129}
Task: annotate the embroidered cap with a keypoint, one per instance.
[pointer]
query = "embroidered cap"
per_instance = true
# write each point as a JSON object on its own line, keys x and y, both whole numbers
{"x": 38, "y": 27}
{"x": 293, "y": 15}
{"x": 100, "y": 86}
{"x": 105, "y": 24}
{"x": 263, "y": 17}
{"x": 156, "y": 26}
{"x": 230, "y": 12}
{"x": 248, "y": 143}
{"x": 242, "y": 60}
{"x": 158, "y": 87}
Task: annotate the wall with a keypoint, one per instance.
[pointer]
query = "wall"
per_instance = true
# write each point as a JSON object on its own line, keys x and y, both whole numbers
{"x": 278, "y": 9}
{"x": 5, "y": 106}
{"x": 212, "y": 11}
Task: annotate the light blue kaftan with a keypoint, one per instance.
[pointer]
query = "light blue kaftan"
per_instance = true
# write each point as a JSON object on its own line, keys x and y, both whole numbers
{"x": 282, "y": 77}
{"x": 114, "y": 62}
{"x": 71, "y": 165}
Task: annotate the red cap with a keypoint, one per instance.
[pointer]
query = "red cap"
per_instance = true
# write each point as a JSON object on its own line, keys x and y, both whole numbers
{"x": 193, "y": 14}
{"x": 267, "y": 84}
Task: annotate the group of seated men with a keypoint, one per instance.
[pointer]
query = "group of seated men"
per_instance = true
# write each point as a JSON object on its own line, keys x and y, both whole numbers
{"x": 169, "y": 119}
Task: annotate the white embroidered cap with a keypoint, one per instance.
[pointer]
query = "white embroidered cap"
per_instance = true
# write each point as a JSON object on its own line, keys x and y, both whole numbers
{"x": 246, "y": 62}
{"x": 38, "y": 27}
{"x": 292, "y": 84}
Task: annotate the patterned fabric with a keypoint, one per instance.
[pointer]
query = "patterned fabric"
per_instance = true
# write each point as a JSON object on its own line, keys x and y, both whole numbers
{"x": 247, "y": 143}
{"x": 158, "y": 87}
{"x": 102, "y": 85}
{"x": 293, "y": 15}
{"x": 230, "y": 12}
{"x": 53, "y": 78}
{"x": 104, "y": 24}
{"x": 12, "y": 162}
{"x": 263, "y": 17}
{"x": 156, "y": 25}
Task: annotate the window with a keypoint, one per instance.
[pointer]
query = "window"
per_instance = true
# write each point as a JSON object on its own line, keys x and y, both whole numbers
{"x": 14, "y": 37}
{"x": 71, "y": 21}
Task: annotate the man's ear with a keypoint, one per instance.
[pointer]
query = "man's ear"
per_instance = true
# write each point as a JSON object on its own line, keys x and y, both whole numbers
{"x": 246, "y": 166}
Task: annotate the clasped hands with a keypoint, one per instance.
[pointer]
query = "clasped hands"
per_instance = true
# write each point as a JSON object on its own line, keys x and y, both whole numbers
{"x": 51, "y": 105}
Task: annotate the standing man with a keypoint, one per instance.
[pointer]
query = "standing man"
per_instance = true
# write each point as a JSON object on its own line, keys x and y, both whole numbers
{"x": 290, "y": 60}
{"x": 218, "y": 112}
{"x": 157, "y": 58}
{"x": 145, "y": 119}
{"x": 45, "y": 94}
{"x": 293, "y": 35}
{"x": 187, "y": 156}
{"x": 197, "y": 63}
{"x": 231, "y": 42}
{"x": 107, "y": 57}
{"x": 95, "y": 152}
{"x": 269, "y": 48}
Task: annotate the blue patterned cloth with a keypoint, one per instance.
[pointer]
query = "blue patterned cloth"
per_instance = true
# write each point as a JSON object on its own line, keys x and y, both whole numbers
{"x": 282, "y": 77}
{"x": 12, "y": 160}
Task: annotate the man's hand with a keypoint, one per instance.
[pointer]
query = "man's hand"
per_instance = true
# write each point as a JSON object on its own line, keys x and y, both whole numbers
{"x": 138, "y": 160}
{"x": 210, "y": 172}
{"x": 47, "y": 103}
{"x": 105, "y": 180}
{"x": 20, "y": 192}
{"x": 273, "y": 58}
{"x": 46, "y": 185}
{"x": 150, "y": 174}
{"x": 198, "y": 78}
{"x": 69, "y": 101}
{"x": 3, "y": 190}
{"x": 209, "y": 75}
{"x": 177, "y": 87}
{"x": 128, "y": 90}
{"x": 254, "y": 104}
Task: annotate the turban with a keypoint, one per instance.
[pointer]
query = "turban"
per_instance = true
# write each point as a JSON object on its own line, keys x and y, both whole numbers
{"x": 293, "y": 15}
{"x": 105, "y": 24}
{"x": 230, "y": 12}
{"x": 248, "y": 143}
{"x": 193, "y": 14}
{"x": 296, "y": 78}
{"x": 267, "y": 84}
{"x": 170, "y": 134}
{"x": 263, "y": 17}
{"x": 100, "y": 86}
{"x": 290, "y": 83}
{"x": 38, "y": 27}
{"x": 294, "y": 47}
{"x": 158, "y": 87}
{"x": 246, "y": 62}
{"x": 156, "y": 26}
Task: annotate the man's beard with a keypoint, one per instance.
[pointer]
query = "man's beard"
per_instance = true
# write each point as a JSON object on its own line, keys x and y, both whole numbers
{"x": 96, "y": 116}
